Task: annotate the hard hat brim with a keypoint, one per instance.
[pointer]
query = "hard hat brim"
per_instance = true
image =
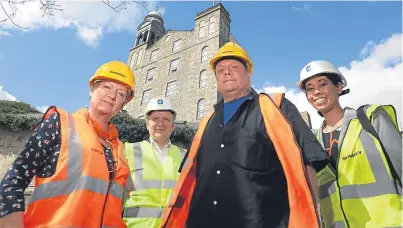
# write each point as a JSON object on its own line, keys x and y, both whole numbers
{"x": 163, "y": 110}
{"x": 300, "y": 83}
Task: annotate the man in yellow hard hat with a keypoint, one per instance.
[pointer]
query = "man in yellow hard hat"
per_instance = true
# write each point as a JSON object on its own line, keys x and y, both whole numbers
{"x": 81, "y": 174}
{"x": 154, "y": 165}
{"x": 252, "y": 161}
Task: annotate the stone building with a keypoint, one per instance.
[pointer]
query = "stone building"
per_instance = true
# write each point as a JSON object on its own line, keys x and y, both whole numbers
{"x": 175, "y": 63}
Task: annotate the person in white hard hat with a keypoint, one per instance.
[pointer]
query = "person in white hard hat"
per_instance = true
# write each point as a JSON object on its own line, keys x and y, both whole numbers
{"x": 361, "y": 186}
{"x": 154, "y": 165}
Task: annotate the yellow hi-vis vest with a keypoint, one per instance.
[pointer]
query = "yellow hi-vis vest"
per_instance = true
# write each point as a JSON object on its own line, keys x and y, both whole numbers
{"x": 153, "y": 183}
{"x": 362, "y": 192}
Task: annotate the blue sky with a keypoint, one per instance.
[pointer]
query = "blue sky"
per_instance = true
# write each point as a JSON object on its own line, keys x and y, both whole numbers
{"x": 51, "y": 64}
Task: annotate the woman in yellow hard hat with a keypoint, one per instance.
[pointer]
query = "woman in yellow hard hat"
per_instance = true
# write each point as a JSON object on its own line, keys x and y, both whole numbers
{"x": 81, "y": 175}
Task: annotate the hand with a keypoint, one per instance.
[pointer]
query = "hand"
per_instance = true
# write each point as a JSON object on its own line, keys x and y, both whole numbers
{"x": 13, "y": 220}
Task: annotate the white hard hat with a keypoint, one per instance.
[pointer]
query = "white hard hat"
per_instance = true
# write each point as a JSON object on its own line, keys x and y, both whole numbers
{"x": 319, "y": 67}
{"x": 160, "y": 103}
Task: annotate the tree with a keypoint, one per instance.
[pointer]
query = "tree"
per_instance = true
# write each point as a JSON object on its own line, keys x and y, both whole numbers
{"x": 49, "y": 8}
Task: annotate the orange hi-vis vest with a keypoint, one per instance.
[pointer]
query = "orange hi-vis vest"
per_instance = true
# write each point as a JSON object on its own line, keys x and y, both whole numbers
{"x": 80, "y": 193}
{"x": 303, "y": 212}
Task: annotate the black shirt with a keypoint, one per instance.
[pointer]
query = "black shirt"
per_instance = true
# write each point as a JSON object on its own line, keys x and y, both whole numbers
{"x": 240, "y": 181}
{"x": 331, "y": 143}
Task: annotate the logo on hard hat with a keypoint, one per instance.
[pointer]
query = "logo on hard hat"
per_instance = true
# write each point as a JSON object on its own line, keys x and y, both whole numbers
{"x": 114, "y": 72}
{"x": 308, "y": 68}
{"x": 160, "y": 101}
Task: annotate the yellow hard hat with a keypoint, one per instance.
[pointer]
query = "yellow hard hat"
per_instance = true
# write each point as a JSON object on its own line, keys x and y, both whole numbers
{"x": 117, "y": 72}
{"x": 231, "y": 49}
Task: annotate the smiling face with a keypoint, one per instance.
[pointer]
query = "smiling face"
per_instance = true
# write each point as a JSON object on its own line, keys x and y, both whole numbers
{"x": 233, "y": 78}
{"x": 322, "y": 94}
{"x": 160, "y": 125}
{"x": 107, "y": 98}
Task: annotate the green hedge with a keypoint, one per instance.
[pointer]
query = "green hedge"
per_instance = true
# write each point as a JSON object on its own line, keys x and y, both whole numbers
{"x": 16, "y": 116}
{"x": 15, "y": 107}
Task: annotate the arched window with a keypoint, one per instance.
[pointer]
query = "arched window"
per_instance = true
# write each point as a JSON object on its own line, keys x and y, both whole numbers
{"x": 202, "y": 79}
{"x": 202, "y": 27}
{"x": 204, "y": 53}
{"x": 140, "y": 39}
{"x": 211, "y": 26}
{"x": 145, "y": 37}
{"x": 200, "y": 109}
{"x": 152, "y": 37}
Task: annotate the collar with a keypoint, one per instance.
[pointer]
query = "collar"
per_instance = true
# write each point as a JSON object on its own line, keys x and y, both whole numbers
{"x": 111, "y": 134}
{"x": 154, "y": 143}
{"x": 349, "y": 114}
{"x": 251, "y": 95}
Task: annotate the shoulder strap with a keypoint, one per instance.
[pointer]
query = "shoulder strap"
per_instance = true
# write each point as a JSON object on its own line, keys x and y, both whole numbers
{"x": 367, "y": 126}
{"x": 277, "y": 98}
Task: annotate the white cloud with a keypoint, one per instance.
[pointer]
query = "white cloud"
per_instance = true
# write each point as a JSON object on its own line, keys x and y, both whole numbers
{"x": 90, "y": 36}
{"x": 91, "y": 19}
{"x": 4, "y": 33}
{"x": 6, "y": 96}
{"x": 375, "y": 79}
{"x": 306, "y": 8}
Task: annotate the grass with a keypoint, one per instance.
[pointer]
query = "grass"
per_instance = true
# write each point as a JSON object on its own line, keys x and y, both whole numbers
{"x": 5, "y": 164}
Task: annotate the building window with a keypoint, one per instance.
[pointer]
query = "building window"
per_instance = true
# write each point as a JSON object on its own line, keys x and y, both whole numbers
{"x": 171, "y": 89}
{"x": 204, "y": 54}
{"x": 211, "y": 25}
{"x": 150, "y": 75}
{"x": 202, "y": 79}
{"x": 202, "y": 27}
{"x": 154, "y": 55}
{"x": 177, "y": 45}
{"x": 146, "y": 97}
{"x": 200, "y": 109}
{"x": 173, "y": 66}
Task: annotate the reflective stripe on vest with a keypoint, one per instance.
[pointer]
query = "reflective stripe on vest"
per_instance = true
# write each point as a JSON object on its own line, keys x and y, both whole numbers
{"x": 74, "y": 181}
{"x": 383, "y": 184}
{"x": 372, "y": 185}
{"x": 134, "y": 153}
{"x": 139, "y": 182}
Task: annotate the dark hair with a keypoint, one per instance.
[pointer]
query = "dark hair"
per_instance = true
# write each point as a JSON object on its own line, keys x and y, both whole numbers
{"x": 334, "y": 78}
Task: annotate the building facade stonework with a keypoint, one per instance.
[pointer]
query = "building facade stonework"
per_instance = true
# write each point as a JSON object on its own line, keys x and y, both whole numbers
{"x": 175, "y": 63}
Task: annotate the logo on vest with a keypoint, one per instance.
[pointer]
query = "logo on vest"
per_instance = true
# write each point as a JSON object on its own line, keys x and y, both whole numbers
{"x": 96, "y": 150}
{"x": 322, "y": 174}
{"x": 352, "y": 155}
